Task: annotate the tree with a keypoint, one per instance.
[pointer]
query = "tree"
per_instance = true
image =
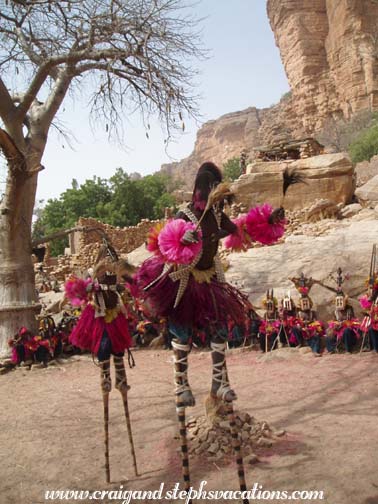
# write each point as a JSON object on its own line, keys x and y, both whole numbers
{"x": 365, "y": 146}
{"x": 123, "y": 200}
{"x": 138, "y": 55}
{"x": 340, "y": 134}
{"x": 232, "y": 169}
{"x": 88, "y": 200}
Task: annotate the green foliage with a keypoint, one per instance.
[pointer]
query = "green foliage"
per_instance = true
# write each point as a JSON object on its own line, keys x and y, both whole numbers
{"x": 232, "y": 169}
{"x": 286, "y": 95}
{"x": 365, "y": 146}
{"x": 119, "y": 201}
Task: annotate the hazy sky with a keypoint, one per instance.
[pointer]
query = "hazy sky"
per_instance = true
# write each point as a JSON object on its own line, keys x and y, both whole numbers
{"x": 243, "y": 69}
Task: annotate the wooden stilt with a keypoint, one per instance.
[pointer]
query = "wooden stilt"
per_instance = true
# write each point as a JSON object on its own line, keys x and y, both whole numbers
{"x": 106, "y": 386}
{"x": 123, "y": 387}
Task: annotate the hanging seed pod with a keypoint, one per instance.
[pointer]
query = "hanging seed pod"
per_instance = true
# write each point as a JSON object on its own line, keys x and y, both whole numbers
{"x": 180, "y": 116}
{"x": 147, "y": 135}
{"x": 107, "y": 127}
{"x": 183, "y": 126}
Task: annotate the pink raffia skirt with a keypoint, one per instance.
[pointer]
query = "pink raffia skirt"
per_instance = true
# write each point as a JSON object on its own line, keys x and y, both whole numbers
{"x": 200, "y": 304}
{"x": 89, "y": 330}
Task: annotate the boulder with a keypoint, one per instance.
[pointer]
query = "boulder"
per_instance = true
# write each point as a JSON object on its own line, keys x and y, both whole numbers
{"x": 367, "y": 194}
{"x": 350, "y": 210}
{"x": 328, "y": 176}
{"x": 137, "y": 256}
{"x": 322, "y": 209}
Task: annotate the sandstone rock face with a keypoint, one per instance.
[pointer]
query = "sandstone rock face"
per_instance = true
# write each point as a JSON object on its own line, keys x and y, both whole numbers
{"x": 219, "y": 141}
{"x": 329, "y": 176}
{"x": 367, "y": 194}
{"x": 329, "y": 52}
{"x": 348, "y": 246}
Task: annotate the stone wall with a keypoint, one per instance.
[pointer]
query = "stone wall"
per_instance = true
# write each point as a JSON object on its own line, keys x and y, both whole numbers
{"x": 124, "y": 240}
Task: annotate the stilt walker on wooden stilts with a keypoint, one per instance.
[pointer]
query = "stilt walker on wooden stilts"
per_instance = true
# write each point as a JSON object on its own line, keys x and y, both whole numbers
{"x": 184, "y": 281}
{"x": 103, "y": 329}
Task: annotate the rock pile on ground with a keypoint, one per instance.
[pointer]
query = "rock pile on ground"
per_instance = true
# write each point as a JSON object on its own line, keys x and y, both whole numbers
{"x": 212, "y": 439}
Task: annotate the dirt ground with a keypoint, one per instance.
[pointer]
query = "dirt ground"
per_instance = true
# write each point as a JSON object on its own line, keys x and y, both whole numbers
{"x": 51, "y": 427}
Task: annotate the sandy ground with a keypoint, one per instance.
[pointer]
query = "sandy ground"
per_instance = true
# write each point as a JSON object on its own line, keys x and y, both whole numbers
{"x": 51, "y": 433}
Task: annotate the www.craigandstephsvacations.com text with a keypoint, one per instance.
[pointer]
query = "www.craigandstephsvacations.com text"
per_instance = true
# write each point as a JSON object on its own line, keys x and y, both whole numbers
{"x": 257, "y": 492}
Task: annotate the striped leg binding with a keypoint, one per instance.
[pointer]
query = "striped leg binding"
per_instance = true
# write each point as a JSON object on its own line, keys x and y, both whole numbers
{"x": 220, "y": 385}
{"x": 222, "y": 389}
{"x": 182, "y": 388}
{"x": 237, "y": 449}
{"x": 184, "y": 398}
{"x": 106, "y": 385}
{"x": 180, "y": 410}
{"x": 123, "y": 387}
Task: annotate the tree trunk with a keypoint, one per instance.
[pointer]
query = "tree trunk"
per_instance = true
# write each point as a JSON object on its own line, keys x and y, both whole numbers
{"x": 18, "y": 300}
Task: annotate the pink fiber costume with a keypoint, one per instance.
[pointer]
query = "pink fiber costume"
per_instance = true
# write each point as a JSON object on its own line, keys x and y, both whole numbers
{"x": 103, "y": 325}
{"x": 185, "y": 282}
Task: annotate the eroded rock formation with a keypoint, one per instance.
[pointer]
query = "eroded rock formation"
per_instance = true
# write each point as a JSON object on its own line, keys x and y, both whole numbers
{"x": 330, "y": 53}
{"x": 329, "y": 176}
{"x": 329, "y": 50}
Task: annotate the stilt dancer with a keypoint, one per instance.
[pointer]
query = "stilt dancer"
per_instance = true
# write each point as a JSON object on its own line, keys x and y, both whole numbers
{"x": 103, "y": 330}
{"x": 185, "y": 282}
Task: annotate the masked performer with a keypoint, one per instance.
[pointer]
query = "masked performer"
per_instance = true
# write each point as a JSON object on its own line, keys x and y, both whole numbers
{"x": 308, "y": 328}
{"x": 270, "y": 324}
{"x": 369, "y": 304}
{"x": 103, "y": 329}
{"x": 20, "y": 347}
{"x": 345, "y": 327}
{"x": 185, "y": 281}
{"x": 287, "y": 313}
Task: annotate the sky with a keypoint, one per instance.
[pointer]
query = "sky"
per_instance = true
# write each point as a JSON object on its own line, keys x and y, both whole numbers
{"x": 243, "y": 69}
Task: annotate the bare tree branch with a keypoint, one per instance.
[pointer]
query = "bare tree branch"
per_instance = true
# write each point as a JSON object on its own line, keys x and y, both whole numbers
{"x": 7, "y": 108}
{"x": 136, "y": 50}
{"x": 32, "y": 92}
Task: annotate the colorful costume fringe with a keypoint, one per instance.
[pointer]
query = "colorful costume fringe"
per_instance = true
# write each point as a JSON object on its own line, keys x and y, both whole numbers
{"x": 196, "y": 297}
{"x": 339, "y": 327}
{"x": 201, "y": 303}
{"x": 269, "y": 327}
{"x": 88, "y": 331}
{"x": 92, "y": 324}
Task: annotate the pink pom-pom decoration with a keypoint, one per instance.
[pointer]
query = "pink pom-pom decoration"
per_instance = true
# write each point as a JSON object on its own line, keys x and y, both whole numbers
{"x": 76, "y": 290}
{"x": 259, "y": 228}
{"x": 239, "y": 240}
{"x": 365, "y": 302}
{"x": 170, "y": 244}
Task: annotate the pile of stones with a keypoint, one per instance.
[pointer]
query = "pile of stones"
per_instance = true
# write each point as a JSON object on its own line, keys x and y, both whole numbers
{"x": 212, "y": 438}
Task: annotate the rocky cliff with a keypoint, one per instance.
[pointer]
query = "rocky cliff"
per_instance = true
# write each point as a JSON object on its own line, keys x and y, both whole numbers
{"x": 329, "y": 50}
{"x": 330, "y": 53}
